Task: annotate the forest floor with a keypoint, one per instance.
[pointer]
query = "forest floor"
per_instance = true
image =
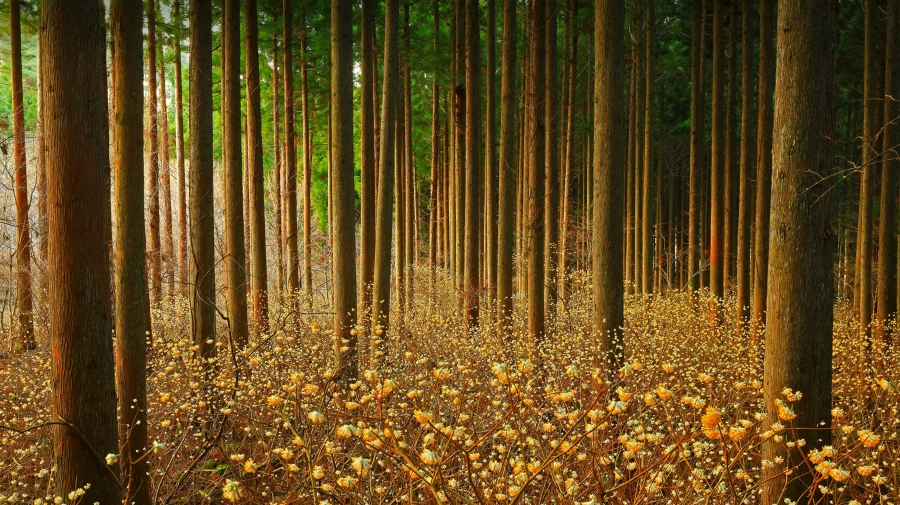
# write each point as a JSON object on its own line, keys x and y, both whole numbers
{"x": 460, "y": 417}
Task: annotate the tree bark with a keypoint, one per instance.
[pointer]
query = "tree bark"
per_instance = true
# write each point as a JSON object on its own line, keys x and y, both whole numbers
{"x": 384, "y": 207}
{"x": 551, "y": 151}
{"x": 729, "y": 235}
{"x": 290, "y": 153}
{"x": 259, "y": 278}
{"x": 25, "y": 327}
{"x": 472, "y": 279}
{"x": 536, "y": 134}
{"x": 490, "y": 158}
{"x": 717, "y": 181}
{"x": 154, "y": 251}
{"x": 278, "y": 167}
{"x": 203, "y": 281}
{"x": 609, "y": 175}
{"x": 692, "y": 269}
{"x": 507, "y": 170}
{"x": 367, "y": 164}
{"x": 798, "y": 350}
{"x": 746, "y": 190}
{"x": 647, "y": 158}
{"x": 867, "y": 177}
{"x": 763, "y": 160}
{"x": 183, "y": 278}
{"x": 168, "y": 250}
{"x": 886, "y": 302}
{"x": 307, "y": 168}
{"x": 73, "y": 43}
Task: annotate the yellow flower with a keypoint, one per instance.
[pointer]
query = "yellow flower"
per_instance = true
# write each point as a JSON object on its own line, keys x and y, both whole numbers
{"x": 318, "y": 473}
{"x": 442, "y": 373}
{"x": 712, "y": 417}
{"x": 362, "y": 466}
{"x": 839, "y": 474}
{"x": 623, "y": 394}
{"x": 428, "y": 457}
{"x": 868, "y": 438}
{"x": 250, "y": 466}
{"x": 865, "y": 470}
{"x": 785, "y": 413}
{"x": 274, "y": 400}
{"x": 423, "y": 417}
{"x": 315, "y": 417}
{"x": 231, "y": 491}
{"x": 737, "y": 432}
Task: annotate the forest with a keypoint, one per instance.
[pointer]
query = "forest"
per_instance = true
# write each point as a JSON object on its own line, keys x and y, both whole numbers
{"x": 570, "y": 252}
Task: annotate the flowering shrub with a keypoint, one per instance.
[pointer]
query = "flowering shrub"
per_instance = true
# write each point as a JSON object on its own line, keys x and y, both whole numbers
{"x": 453, "y": 415}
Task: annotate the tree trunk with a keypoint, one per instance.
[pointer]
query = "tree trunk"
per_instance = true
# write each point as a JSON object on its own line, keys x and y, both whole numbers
{"x": 258, "y": 271}
{"x": 551, "y": 151}
{"x": 344, "y": 221}
{"x": 692, "y": 269}
{"x": 367, "y": 165}
{"x": 718, "y": 168}
{"x": 153, "y": 177}
{"x": 746, "y": 190}
{"x": 729, "y": 184}
{"x": 183, "y": 277}
{"x": 203, "y": 281}
{"x": 409, "y": 171}
{"x": 290, "y": 153}
{"x": 640, "y": 91}
{"x": 800, "y": 298}
{"x": 536, "y": 133}
{"x": 168, "y": 251}
{"x": 490, "y": 159}
{"x": 25, "y": 327}
{"x": 507, "y": 169}
{"x": 647, "y": 158}
{"x": 73, "y": 43}
{"x": 609, "y": 175}
{"x": 472, "y": 280}
{"x": 278, "y": 167}
{"x": 569, "y": 150}
{"x": 629, "y": 183}
{"x": 867, "y": 176}
{"x": 887, "y": 239}
{"x": 307, "y": 169}
{"x": 460, "y": 144}
{"x": 130, "y": 275}
{"x": 382, "y": 284}
{"x": 763, "y": 159}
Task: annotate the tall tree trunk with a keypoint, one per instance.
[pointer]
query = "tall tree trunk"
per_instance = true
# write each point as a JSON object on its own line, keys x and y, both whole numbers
{"x": 763, "y": 159}
{"x": 344, "y": 262}
{"x": 367, "y": 164}
{"x": 507, "y": 169}
{"x": 867, "y": 176}
{"x": 307, "y": 168}
{"x": 800, "y": 298}
{"x": 290, "y": 152}
{"x": 551, "y": 151}
{"x": 536, "y": 133}
{"x": 381, "y": 291}
{"x": 154, "y": 251}
{"x": 718, "y": 168}
{"x": 73, "y": 43}
{"x": 746, "y": 190}
{"x": 887, "y": 239}
{"x": 278, "y": 167}
{"x": 434, "y": 196}
{"x": 168, "y": 251}
{"x": 460, "y": 143}
{"x": 409, "y": 171}
{"x": 692, "y": 269}
{"x": 646, "y": 202}
{"x": 490, "y": 159}
{"x": 609, "y": 174}
{"x": 231, "y": 144}
{"x": 259, "y": 278}
{"x": 203, "y": 280}
{"x": 25, "y": 327}
{"x": 130, "y": 275}
{"x": 629, "y": 183}
{"x": 183, "y": 277}
{"x": 569, "y": 150}
{"x": 472, "y": 280}
{"x": 640, "y": 91}
{"x": 729, "y": 184}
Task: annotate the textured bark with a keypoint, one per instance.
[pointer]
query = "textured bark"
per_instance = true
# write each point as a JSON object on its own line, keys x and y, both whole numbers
{"x": 867, "y": 175}
{"x": 165, "y": 180}
{"x": 746, "y": 190}
{"x": 409, "y": 171}
{"x": 536, "y": 135}
{"x": 629, "y": 182}
{"x": 400, "y": 250}
{"x": 184, "y": 268}
{"x": 367, "y": 164}
{"x": 459, "y": 107}
{"x": 886, "y": 301}
{"x": 130, "y": 275}
{"x": 82, "y": 377}
{"x": 551, "y": 152}
{"x": 640, "y": 88}
{"x": 231, "y": 146}
{"x": 729, "y": 233}
{"x": 307, "y": 168}
{"x": 278, "y": 167}
{"x": 763, "y": 159}
{"x": 290, "y": 154}
{"x": 258, "y": 273}
{"x": 609, "y": 174}
{"x": 569, "y": 158}
{"x": 490, "y": 158}
{"x": 344, "y": 221}
{"x": 155, "y": 250}
{"x": 472, "y": 280}
{"x": 381, "y": 291}
{"x": 798, "y": 349}
{"x": 647, "y": 158}
{"x": 692, "y": 269}
{"x": 25, "y": 327}
{"x": 506, "y": 224}
{"x": 717, "y": 181}
{"x": 203, "y": 280}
